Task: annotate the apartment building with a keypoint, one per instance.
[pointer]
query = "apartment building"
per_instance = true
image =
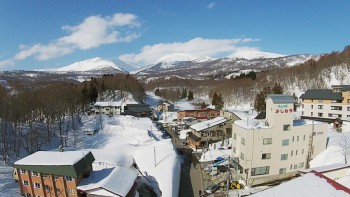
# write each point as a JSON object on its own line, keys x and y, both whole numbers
{"x": 277, "y": 146}
{"x": 54, "y": 174}
{"x": 326, "y": 104}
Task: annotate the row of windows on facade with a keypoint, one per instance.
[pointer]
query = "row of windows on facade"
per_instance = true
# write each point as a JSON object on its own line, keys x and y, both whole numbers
{"x": 329, "y": 115}
{"x": 339, "y": 108}
{"x": 47, "y": 188}
{"x": 267, "y": 141}
{"x": 266, "y": 169}
{"x": 70, "y": 191}
{"x": 212, "y": 133}
{"x": 333, "y": 101}
{"x": 68, "y": 178}
{"x": 266, "y": 156}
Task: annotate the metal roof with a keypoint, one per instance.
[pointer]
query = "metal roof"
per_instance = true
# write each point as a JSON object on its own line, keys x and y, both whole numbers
{"x": 280, "y": 98}
{"x": 322, "y": 94}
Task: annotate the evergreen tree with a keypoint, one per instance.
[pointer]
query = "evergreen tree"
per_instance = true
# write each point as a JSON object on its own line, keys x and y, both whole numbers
{"x": 220, "y": 102}
{"x": 277, "y": 89}
{"x": 215, "y": 99}
{"x": 203, "y": 105}
{"x": 190, "y": 95}
{"x": 93, "y": 93}
{"x": 157, "y": 92}
{"x": 184, "y": 93}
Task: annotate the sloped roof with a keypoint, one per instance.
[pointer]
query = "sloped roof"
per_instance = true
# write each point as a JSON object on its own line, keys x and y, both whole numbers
{"x": 117, "y": 180}
{"x": 312, "y": 184}
{"x": 327, "y": 168}
{"x": 322, "y": 94}
{"x": 343, "y": 87}
{"x": 68, "y": 163}
{"x": 208, "y": 124}
{"x": 280, "y": 98}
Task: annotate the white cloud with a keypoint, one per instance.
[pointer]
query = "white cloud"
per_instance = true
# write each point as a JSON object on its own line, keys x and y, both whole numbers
{"x": 211, "y": 5}
{"x": 91, "y": 33}
{"x": 6, "y": 63}
{"x": 197, "y": 47}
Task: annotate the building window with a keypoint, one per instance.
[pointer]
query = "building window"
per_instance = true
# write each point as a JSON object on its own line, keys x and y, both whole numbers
{"x": 301, "y": 165}
{"x": 27, "y": 195}
{"x": 69, "y": 178}
{"x": 320, "y": 107}
{"x": 267, "y": 141}
{"x": 295, "y": 166}
{"x": 302, "y": 113}
{"x": 336, "y": 108}
{"x": 234, "y": 149}
{"x": 319, "y": 133}
{"x": 302, "y": 151}
{"x": 71, "y": 191}
{"x": 25, "y": 183}
{"x": 242, "y": 141}
{"x": 320, "y": 114}
{"x": 284, "y": 156}
{"x": 47, "y": 187}
{"x": 293, "y": 139}
{"x": 283, "y": 170}
{"x": 312, "y": 113}
{"x": 286, "y": 127}
{"x": 266, "y": 156}
{"x": 285, "y": 142}
{"x": 298, "y": 138}
{"x": 242, "y": 156}
{"x": 312, "y": 106}
{"x": 296, "y": 152}
{"x": 23, "y": 171}
{"x": 304, "y": 138}
{"x": 291, "y": 153}
{"x": 302, "y": 105}
{"x": 260, "y": 170}
{"x": 234, "y": 136}
{"x": 35, "y": 173}
{"x": 37, "y": 185}
{"x": 291, "y": 166}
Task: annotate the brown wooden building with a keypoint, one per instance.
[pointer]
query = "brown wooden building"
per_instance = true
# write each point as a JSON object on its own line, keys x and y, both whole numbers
{"x": 199, "y": 113}
{"x": 54, "y": 174}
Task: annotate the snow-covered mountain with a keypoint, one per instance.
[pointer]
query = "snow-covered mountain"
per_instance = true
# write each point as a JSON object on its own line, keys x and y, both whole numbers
{"x": 95, "y": 64}
{"x": 174, "y": 60}
{"x": 186, "y": 66}
{"x": 250, "y": 55}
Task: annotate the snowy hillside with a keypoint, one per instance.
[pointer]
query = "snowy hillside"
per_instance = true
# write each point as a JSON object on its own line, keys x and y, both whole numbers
{"x": 249, "y": 55}
{"x": 87, "y": 65}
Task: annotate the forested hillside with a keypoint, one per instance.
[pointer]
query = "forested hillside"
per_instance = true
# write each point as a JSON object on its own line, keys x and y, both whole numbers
{"x": 330, "y": 69}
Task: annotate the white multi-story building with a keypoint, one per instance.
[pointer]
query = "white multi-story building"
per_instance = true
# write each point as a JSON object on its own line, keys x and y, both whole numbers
{"x": 276, "y": 146}
{"x": 327, "y": 104}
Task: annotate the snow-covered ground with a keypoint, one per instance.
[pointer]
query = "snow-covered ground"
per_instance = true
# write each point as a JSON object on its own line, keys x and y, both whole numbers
{"x": 122, "y": 139}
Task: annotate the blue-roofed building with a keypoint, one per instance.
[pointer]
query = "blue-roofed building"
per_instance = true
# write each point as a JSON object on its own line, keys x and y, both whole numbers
{"x": 275, "y": 146}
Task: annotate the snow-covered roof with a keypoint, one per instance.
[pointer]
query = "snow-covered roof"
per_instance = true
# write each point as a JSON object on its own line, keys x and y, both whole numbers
{"x": 53, "y": 158}
{"x": 105, "y": 104}
{"x": 183, "y": 133}
{"x": 118, "y": 180}
{"x": 251, "y": 123}
{"x": 280, "y": 98}
{"x": 312, "y": 184}
{"x": 208, "y": 123}
{"x": 327, "y": 168}
{"x": 243, "y": 115}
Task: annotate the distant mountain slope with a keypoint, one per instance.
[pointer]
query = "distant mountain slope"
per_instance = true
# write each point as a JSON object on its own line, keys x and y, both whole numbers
{"x": 219, "y": 68}
{"x": 250, "y": 55}
{"x": 95, "y": 64}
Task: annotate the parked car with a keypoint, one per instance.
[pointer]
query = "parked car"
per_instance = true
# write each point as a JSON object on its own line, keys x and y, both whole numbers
{"x": 212, "y": 188}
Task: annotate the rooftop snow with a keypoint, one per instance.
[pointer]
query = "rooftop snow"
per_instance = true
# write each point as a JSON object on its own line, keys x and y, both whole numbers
{"x": 281, "y": 98}
{"x": 118, "y": 180}
{"x": 209, "y": 123}
{"x": 327, "y": 168}
{"x": 311, "y": 184}
{"x": 53, "y": 158}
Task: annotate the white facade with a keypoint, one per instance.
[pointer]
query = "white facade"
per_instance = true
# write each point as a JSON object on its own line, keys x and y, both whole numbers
{"x": 277, "y": 146}
{"x": 108, "y": 108}
{"x": 327, "y": 104}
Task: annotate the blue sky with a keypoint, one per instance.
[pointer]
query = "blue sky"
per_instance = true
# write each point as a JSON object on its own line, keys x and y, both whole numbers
{"x": 49, "y": 33}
